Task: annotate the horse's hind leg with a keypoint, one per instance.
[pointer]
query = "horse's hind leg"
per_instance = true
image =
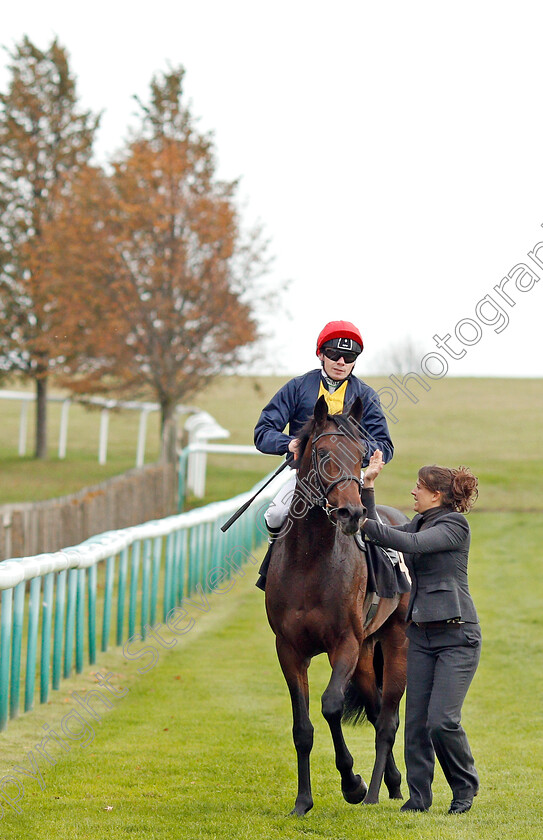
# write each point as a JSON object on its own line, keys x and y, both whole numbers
{"x": 295, "y": 672}
{"x": 392, "y": 776}
{"x": 343, "y": 662}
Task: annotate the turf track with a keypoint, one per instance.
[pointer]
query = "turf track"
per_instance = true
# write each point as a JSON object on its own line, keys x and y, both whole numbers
{"x": 200, "y": 745}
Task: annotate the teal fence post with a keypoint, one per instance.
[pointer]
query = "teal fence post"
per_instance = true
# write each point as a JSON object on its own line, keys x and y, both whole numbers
{"x": 70, "y": 622}
{"x": 190, "y": 562}
{"x": 60, "y": 608}
{"x": 207, "y": 555}
{"x": 180, "y": 565}
{"x": 194, "y": 557}
{"x": 108, "y": 601}
{"x": 134, "y": 572}
{"x": 5, "y": 644}
{"x": 80, "y": 620}
{"x": 202, "y": 543}
{"x": 183, "y": 543}
{"x": 145, "y": 586}
{"x": 155, "y": 576}
{"x": 121, "y": 590}
{"x": 46, "y": 624}
{"x": 32, "y": 642}
{"x": 16, "y": 648}
{"x": 175, "y": 567}
{"x": 168, "y": 577}
{"x": 91, "y": 601}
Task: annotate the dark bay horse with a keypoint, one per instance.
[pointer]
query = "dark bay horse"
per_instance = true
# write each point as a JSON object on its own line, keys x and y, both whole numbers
{"x": 317, "y": 602}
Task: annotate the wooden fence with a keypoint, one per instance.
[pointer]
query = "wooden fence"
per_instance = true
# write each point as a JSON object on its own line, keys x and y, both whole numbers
{"x": 136, "y": 496}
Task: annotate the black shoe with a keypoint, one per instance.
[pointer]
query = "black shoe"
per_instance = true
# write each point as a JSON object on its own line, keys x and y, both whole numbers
{"x": 460, "y": 806}
{"x": 410, "y": 806}
{"x": 263, "y": 571}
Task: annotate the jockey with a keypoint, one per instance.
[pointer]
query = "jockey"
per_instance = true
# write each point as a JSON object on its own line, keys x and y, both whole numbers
{"x": 338, "y": 346}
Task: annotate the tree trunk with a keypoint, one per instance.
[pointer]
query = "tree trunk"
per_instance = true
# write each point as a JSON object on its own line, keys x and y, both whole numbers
{"x": 41, "y": 417}
{"x": 169, "y": 433}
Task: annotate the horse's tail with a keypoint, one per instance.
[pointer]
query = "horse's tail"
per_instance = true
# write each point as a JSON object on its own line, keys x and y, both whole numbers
{"x": 354, "y": 706}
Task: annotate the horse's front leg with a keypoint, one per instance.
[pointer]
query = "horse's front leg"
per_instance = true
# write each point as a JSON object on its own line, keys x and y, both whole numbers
{"x": 294, "y": 668}
{"x": 343, "y": 663}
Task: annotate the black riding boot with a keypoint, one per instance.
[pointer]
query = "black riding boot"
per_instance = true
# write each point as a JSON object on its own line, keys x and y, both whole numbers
{"x": 263, "y": 571}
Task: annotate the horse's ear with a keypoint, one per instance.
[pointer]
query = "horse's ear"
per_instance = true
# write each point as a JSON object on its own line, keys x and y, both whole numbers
{"x": 321, "y": 411}
{"x": 356, "y": 410}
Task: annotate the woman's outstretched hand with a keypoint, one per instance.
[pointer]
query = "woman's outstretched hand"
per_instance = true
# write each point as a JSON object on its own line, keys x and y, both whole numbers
{"x": 373, "y": 469}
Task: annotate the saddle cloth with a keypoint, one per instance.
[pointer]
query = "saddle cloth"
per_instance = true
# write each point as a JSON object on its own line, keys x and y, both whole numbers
{"x": 385, "y": 578}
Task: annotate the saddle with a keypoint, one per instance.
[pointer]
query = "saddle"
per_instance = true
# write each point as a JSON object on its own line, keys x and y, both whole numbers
{"x": 386, "y": 578}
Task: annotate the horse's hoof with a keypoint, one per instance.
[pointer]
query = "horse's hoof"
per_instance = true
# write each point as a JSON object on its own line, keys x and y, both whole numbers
{"x": 301, "y": 809}
{"x": 354, "y": 797}
{"x": 371, "y": 800}
{"x": 395, "y": 794}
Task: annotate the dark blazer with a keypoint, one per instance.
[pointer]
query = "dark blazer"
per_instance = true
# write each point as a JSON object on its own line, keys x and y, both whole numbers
{"x": 436, "y": 546}
{"x": 294, "y": 403}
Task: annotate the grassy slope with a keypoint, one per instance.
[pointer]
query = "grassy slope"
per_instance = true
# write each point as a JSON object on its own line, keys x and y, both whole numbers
{"x": 200, "y": 747}
{"x": 491, "y": 424}
{"x": 26, "y": 479}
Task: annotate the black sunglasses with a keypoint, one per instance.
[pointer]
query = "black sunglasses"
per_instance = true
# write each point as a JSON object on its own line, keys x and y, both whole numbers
{"x": 336, "y": 355}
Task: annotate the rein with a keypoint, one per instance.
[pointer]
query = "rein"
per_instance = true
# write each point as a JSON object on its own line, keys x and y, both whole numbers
{"x": 325, "y": 489}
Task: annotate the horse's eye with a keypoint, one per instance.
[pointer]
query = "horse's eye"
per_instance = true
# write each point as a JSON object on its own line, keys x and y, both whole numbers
{"x": 322, "y": 453}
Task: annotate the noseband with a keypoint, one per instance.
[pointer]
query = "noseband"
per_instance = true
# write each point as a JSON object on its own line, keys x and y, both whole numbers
{"x": 326, "y": 489}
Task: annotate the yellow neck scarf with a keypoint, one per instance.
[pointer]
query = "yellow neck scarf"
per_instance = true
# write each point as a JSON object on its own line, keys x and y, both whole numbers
{"x": 336, "y": 400}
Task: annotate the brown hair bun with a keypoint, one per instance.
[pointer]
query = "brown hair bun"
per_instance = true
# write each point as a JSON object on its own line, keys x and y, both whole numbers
{"x": 459, "y": 488}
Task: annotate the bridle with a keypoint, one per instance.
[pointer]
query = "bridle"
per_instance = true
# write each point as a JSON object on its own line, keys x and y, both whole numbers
{"x": 326, "y": 489}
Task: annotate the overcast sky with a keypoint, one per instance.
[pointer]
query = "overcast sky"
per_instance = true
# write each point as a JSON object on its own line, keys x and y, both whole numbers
{"x": 393, "y": 152}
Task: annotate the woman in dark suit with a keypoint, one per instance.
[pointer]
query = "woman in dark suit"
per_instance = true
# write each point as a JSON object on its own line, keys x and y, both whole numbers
{"x": 444, "y": 633}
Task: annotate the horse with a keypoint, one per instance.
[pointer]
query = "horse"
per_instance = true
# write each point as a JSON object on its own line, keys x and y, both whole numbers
{"x": 317, "y": 602}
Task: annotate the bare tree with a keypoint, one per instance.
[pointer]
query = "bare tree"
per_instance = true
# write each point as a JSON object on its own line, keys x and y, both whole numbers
{"x": 402, "y": 356}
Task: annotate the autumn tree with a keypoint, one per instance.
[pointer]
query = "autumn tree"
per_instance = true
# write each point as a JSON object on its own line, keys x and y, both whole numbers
{"x": 45, "y": 140}
{"x": 176, "y": 270}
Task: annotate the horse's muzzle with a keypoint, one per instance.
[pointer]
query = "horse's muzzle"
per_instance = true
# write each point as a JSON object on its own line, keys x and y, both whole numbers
{"x": 348, "y": 518}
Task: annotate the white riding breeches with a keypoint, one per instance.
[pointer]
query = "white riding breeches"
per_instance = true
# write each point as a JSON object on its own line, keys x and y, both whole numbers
{"x": 278, "y": 507}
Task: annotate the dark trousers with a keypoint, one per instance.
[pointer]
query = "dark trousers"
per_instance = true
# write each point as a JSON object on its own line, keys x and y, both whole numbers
{"x": 441, "y": 663}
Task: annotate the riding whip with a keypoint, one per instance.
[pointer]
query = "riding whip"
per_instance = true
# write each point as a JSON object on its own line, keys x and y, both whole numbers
{"x": 244, "y": 507}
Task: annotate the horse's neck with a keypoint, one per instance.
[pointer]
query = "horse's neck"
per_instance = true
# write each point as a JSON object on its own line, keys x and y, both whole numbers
{"x": 320, "y": 551}
{"x": 309, "y": 524}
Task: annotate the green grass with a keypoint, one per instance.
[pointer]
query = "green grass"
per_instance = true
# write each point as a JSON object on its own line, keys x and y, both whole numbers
{"x": 493, "y": 425}
{"x": 26, "y": 479}
{"x": 200, "y": 746}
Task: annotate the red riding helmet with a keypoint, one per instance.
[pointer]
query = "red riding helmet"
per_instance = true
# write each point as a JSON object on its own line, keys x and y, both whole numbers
{"x": 342, "y": 335}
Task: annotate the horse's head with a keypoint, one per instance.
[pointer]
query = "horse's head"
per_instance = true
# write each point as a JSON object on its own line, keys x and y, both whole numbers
{"x": 331, "y": 463}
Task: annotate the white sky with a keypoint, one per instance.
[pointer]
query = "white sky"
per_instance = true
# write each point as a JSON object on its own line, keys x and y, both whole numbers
{"x": 393, "y": 151}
